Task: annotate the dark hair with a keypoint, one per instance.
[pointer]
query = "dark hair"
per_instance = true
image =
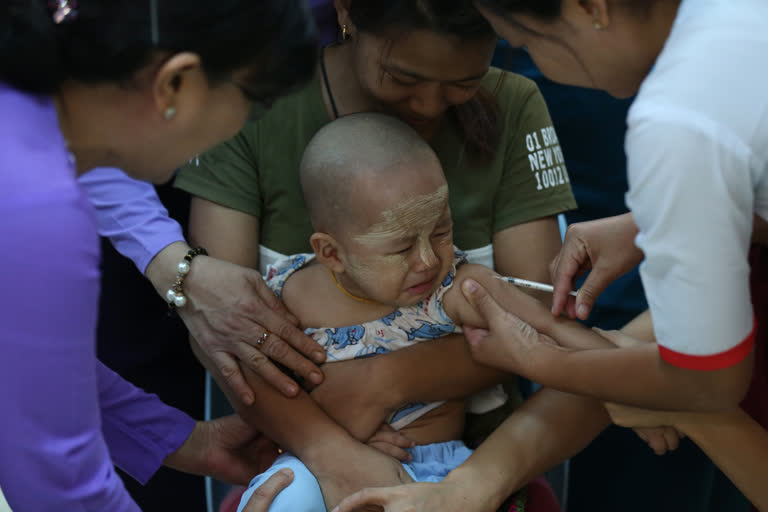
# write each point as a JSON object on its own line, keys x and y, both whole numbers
{"x": 479, "y": 117}
{"x": 544, "y": 9}
{"x": 110, "y": 40}
{"x": 549, "y": 10}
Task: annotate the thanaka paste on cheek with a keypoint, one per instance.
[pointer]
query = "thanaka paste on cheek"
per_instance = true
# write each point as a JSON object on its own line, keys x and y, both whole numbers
{"x": 370, "y": 268}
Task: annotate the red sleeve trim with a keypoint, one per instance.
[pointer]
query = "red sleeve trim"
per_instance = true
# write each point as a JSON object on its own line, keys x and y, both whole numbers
{"x": 719, "y": 361}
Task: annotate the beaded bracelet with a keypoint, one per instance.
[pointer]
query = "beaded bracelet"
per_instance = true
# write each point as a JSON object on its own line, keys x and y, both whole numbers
{"x": 175, "y": 295}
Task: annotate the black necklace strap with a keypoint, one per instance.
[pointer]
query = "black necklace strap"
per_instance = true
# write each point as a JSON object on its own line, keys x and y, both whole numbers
{"x": 327, "y": 84}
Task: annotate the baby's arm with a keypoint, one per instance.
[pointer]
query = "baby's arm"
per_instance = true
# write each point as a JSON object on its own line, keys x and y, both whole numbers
{"x": 568, "y": 333}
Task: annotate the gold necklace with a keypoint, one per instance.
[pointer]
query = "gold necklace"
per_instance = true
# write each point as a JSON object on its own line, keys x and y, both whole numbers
{"x": 353, "y": 297}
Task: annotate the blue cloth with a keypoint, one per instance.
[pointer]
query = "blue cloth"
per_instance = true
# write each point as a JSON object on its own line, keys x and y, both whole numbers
{"x": 302, "y": 495}
{"x": 430, "y": 463}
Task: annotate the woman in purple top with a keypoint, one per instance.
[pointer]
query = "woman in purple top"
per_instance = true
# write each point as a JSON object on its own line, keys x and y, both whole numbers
{"x": 229, "y": 308}
{"x": 142, "y": 86}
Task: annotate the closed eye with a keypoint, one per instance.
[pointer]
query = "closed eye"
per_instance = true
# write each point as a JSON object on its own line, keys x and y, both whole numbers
{"x": 467, "y": 85}
{"x": 400, "y": 81}
{"x": 404, "y": 251}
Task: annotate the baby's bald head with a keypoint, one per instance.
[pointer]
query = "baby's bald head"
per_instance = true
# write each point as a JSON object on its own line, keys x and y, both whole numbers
{"x": 355, "y": 156}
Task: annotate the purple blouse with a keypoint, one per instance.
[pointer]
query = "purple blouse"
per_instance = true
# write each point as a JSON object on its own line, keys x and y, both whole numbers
{"x": 130, "y": 214}
{"x": 66, "y": 419}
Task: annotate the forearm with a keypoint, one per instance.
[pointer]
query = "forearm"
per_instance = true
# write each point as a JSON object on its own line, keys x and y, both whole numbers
{"x": 633, "y": 374}
{"x": 737, "y": 444}
{"x": 361, "y": 393}
{"x": 434, "y": 370}
{"x": 547, "y": 429}
{"x": 542, "y": 242}
{"x": 572, "y": 334}
{"x": 640, "y": 328}
{"x": 297, "y": 424}
{"x": 638, "y": 376}
{"x": 676, "y": 384}
{"x": 444, "y": 369}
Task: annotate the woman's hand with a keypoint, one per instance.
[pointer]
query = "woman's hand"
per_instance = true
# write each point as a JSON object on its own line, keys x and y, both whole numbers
{"x": 360, "y": 468}
{"x": 509, "y": 343}
{"x": 229, "y": 309}
{"x": 606, "y": 246}
{"x": 417, "y": 497}
{"x": 262, "y": 498}
{"x": 654, "y": 427}
{"x": 391, "y": 442}
{"x": 660, "y": 439}
{"x": 225, "y": 448}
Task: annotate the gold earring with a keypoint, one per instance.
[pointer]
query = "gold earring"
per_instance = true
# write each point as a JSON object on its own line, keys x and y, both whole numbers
{"x": 344, "y": 32}
{"x": 170, "y": 113}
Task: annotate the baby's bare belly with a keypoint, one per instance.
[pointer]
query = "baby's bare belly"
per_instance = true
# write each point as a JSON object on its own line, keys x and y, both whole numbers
{"x": 445, "y": 423}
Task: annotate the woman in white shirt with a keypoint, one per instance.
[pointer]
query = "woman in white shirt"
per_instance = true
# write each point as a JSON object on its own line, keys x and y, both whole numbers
{"x": 697, "y": 149}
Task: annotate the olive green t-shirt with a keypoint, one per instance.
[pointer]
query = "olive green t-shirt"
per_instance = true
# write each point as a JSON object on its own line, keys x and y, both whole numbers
{"x": 256, "y": 172}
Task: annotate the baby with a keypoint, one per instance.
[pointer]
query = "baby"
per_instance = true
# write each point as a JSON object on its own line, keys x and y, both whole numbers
{"x": 382, "y": 277}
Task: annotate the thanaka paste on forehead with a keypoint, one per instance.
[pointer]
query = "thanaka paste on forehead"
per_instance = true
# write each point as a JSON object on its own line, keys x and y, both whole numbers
{"x": 423, "y": 211}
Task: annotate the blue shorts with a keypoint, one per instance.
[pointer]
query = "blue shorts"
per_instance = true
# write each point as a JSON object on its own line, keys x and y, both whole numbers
{"x": 430, "y": 463}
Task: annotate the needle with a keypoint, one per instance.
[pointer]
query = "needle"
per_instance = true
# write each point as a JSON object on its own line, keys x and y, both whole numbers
{"x": 531, "y": 284}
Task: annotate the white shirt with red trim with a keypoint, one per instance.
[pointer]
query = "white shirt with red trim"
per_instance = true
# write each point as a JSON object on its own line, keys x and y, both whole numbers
{"x": 697, "y": 150}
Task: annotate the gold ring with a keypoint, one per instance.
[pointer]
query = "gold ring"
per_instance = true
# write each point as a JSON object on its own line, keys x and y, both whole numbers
{"x": 262, "y": 338}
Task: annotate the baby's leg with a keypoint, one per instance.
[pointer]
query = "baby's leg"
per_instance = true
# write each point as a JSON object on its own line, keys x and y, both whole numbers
{"x": 302, "y": 495}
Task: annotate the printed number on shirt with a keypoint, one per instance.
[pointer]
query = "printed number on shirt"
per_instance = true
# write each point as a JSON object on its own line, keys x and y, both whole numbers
{"x": 546, "y": 158}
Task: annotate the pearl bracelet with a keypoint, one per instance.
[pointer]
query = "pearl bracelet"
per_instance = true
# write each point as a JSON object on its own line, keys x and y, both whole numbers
{"x": 175, "y": 295}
